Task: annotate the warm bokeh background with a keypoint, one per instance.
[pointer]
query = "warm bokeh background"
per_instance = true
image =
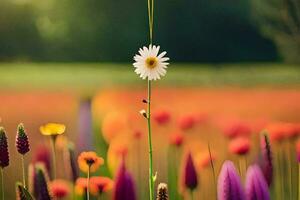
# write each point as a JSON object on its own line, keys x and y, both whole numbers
{"x": 232, "y": 62}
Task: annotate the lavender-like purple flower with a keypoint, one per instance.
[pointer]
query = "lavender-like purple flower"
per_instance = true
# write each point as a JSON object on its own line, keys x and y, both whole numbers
{"x": 22, "y": 142}
{"x": 229, "y": 183}
{"x": 42, "y": 155}
{"x": 190, "y": 175}
{"x": 124, "y": 186}
{"x": 41, "y": 184}
{"x": 71, "y": 161}
{"x": 266, "y": 163}
{"x": 256, "y": 185}
{"x": 4, "y": 155}
{"x": 85, "y": 137}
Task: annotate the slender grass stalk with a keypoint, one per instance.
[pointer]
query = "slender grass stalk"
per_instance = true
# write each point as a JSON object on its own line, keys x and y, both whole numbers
{"x": 151, "y": 177}
{"x": 73, "y": 192}
{"x": 2, "y": 183}
{"x": 212, "y": 167}
{"x": 88, "y": 184}
{"x": 281, "y": 171}
{"x": 139, "y": 173}
{"x": 53, "y": 138}
{"x": 243, "y": 166}
{"x": 278, "y": 177}
{"x": 176, "y": 172}
{"x": 23, "y": 171}
{"x": 289, "y": 170}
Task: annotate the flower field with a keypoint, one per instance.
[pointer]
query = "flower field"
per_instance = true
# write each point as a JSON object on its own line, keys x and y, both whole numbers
{"x": 196, "y": 127}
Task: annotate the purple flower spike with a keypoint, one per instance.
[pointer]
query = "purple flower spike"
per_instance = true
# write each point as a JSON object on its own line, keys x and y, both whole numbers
{"x": 22, "y": 142}
{"x": 190, "y": 174}
{"x": 124, "y": 185}
{"x": 229, "y": 183}
{"x": 4, "y": 155}
{"x": 266, "y": 162}
{"x": 41, "y": 184}
{"x": 256, "y": 185}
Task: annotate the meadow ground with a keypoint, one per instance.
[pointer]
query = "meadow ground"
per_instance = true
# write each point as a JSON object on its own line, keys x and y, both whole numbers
{"x": 93, "y": 76}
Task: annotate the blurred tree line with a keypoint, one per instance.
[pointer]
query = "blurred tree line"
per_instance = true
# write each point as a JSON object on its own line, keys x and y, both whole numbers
{"x": 113, "y": 30}
{"x": 279, "y": 20}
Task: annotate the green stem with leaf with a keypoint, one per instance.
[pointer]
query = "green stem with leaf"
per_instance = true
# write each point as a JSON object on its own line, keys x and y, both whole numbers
{"x": 151, "y": 177}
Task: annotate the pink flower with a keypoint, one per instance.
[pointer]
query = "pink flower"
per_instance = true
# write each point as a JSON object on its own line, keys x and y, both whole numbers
{"x": 256, "y": 186}
{"x": 229, "y": 183}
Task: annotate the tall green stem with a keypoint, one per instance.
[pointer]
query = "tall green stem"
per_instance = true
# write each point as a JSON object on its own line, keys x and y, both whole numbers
{"x": 2, "y": 183}
{"x": 151, "y": 178}
{"x": 53, "y": 138}
{"x": 23, "y": 171}
{"x": 88, "y": 184}
{"x": 192, "y": 194}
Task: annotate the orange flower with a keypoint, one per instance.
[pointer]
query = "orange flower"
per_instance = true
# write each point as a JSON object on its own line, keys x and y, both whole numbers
{"x": 114, "y": 124}
{"x": 240, "y": 146}
{"x": 90, "y": 160}
{"x": 279, "y": 131}
{"x": 99, "y": 184}
{"x": 204, "y": 160}
{"x": 59, "y": 188}
{"x": 81, "y": 186}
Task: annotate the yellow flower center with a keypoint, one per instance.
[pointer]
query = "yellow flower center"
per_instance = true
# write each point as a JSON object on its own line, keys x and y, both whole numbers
{"x": 151, "y": 62}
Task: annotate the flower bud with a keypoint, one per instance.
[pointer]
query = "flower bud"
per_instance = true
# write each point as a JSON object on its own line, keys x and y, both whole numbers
{"x": 162, "y": 192}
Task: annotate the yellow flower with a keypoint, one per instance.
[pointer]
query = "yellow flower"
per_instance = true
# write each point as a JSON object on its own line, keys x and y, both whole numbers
{"x": 53, "y": 129}
{"x": 90, "y": 160}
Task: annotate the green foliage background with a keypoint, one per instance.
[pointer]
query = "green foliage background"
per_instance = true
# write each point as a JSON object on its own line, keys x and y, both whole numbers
{"x": 112, "y": 30}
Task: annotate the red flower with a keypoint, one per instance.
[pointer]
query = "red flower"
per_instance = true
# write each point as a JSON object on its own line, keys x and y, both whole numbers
{"x": 291, "y": 130}
{"x": 236, "y": 128}
{"x": 100, "y": 184}
{"x": 240, "y": 146}
{"x": 137, "y": 134}
{"x": 59, "y": 188}
{"x": 161, "y": 117}
{"x": 176, "y": 139}
{"x": 187, "y": 122}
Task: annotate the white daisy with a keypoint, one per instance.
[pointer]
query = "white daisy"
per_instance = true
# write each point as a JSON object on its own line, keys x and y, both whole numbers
{"x": 148, "y": 64}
